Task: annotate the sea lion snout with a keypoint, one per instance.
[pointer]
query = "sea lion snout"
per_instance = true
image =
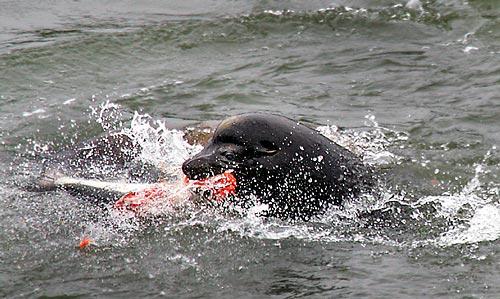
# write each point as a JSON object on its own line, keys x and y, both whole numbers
{"x": 200, "y": 167}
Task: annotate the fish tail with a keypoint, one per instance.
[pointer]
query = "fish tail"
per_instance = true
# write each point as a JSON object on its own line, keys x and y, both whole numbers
{"x": 47, "y": 180}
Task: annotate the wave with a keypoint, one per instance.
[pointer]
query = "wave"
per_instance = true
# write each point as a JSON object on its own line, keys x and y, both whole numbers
{"x": 191, "y": 32}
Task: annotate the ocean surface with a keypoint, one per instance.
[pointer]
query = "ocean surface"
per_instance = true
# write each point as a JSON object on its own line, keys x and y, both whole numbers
{"x": 413, "y": 87}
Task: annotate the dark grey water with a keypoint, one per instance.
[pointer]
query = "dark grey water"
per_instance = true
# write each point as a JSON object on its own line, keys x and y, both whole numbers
{"x": 416, "y": 90}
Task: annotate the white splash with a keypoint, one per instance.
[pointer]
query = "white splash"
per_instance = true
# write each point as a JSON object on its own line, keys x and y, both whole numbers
{"x": 162, "y": 147}
{"x": 371, "y": 144}
{"x": 108, "y": 115}
{"x": 483, "y": 226}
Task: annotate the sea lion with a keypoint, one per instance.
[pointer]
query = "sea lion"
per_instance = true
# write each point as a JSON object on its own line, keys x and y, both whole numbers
{"x": 292, "y": 168}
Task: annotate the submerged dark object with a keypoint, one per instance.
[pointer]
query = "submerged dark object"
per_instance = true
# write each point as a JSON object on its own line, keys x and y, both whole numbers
{"x": 297, "y": 171}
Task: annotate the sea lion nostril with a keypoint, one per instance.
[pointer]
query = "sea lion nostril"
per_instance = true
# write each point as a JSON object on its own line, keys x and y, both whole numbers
{"x": 190, "y": 168}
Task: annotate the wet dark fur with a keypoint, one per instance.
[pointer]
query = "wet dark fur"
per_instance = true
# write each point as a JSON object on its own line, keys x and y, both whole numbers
{"x": 297, "y": 171}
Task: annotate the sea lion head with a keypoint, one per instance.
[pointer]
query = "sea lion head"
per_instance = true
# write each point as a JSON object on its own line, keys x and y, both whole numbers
{"x": 292, "y": 168}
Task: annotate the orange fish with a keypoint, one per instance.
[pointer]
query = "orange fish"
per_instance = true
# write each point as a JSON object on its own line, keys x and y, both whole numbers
{"x": 219, "y": 186}
{"x": 85, "y": 242}
{"x": 133, "y": 201}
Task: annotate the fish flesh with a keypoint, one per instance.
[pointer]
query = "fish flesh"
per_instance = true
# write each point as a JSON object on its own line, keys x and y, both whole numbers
{"x": 217, "y": 187}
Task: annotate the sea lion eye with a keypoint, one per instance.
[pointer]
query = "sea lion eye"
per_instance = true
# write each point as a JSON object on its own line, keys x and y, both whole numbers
{"x": 229, "y": 155}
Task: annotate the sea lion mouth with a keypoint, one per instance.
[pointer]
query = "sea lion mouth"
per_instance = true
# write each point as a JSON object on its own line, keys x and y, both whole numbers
{"x": 216, "y": 187}
{"x": 202, "y": 176}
